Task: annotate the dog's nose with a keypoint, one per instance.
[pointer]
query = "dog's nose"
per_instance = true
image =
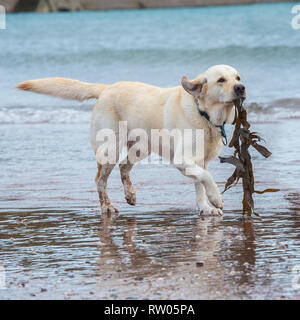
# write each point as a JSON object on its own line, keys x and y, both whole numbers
{"x": 239, "y": 90}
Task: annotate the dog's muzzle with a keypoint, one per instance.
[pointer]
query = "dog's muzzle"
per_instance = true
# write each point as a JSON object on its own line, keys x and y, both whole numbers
{"x": 239, "y": 91}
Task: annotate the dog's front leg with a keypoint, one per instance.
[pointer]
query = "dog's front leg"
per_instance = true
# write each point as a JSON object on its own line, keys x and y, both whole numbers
{"x": 201, "y": 176}
{"x": 201, "y": 202}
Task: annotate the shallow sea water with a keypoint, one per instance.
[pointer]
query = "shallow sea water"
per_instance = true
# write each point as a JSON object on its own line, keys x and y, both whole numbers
{"x": 55, "y": 243}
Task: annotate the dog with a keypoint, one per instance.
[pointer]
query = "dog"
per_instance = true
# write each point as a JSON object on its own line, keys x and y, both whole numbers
{"x": 206, "y": 103}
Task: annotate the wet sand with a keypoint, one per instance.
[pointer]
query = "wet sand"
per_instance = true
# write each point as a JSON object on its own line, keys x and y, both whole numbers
{"x": 56, "y": 245}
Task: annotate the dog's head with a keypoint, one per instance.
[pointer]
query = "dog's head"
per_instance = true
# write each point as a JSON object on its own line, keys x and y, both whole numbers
{"x": 216, "y": 89}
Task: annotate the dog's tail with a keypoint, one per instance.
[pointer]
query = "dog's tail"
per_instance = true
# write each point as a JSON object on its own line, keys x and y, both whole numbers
{"x": 63, "y": 88}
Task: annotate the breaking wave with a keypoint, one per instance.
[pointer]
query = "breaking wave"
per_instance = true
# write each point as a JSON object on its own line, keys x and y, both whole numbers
{"x": 273, "y": 111}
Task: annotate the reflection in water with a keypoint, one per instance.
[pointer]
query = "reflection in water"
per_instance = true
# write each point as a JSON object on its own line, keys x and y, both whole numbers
{"x": 111, "y": 255}
{"x": 171, "y": 243}
{"x": 249, "y": 243}
{"x": 163, "y": 239}
{"x": 148, "y": 255}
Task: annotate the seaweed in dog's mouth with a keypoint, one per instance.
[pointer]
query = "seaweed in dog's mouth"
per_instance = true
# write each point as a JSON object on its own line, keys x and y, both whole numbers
{"x": 241, "y": 140}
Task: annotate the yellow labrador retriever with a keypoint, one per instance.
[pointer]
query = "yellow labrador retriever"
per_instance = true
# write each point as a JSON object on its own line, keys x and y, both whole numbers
{"x": 203, "y": 103}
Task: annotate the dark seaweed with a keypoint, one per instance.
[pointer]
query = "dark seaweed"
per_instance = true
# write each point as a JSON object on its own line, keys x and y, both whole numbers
{"x": 242, "y": 139}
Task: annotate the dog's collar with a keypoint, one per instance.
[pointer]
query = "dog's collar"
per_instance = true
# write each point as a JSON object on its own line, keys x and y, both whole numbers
{"x": 206, "y": 116}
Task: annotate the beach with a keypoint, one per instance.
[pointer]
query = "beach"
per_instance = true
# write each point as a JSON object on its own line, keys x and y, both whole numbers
{"x": 54, "y": 242}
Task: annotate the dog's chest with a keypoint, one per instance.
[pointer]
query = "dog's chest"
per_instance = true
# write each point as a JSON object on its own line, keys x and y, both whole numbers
{"x": 212, "y": 145}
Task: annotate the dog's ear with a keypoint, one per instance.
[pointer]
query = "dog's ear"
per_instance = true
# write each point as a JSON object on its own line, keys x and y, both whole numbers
{"x": 193, "y": 87}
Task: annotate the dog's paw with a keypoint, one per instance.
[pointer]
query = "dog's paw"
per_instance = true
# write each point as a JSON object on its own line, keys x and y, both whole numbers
{"x": 130, "y": 195}
{"x": 131, "y": 198}
{"x": 214, "y": 197}
{"x": 216, "y": 200}
{"x": 108, "y": 208}
{"x": 206, "y": 210}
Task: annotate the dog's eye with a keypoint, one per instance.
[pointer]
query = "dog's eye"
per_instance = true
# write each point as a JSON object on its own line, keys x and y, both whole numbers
{"x": 221, "y": 80}
{"x": 238, "y": 78}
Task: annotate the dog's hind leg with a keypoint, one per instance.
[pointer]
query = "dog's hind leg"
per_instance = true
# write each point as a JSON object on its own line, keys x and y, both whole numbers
{"x": 125, "y": 167}
{"x": 130, "y": 194}
{"x": 103, "y": 173}
{"x": 107, "y": 145}
{"x": 105, "y": 167}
